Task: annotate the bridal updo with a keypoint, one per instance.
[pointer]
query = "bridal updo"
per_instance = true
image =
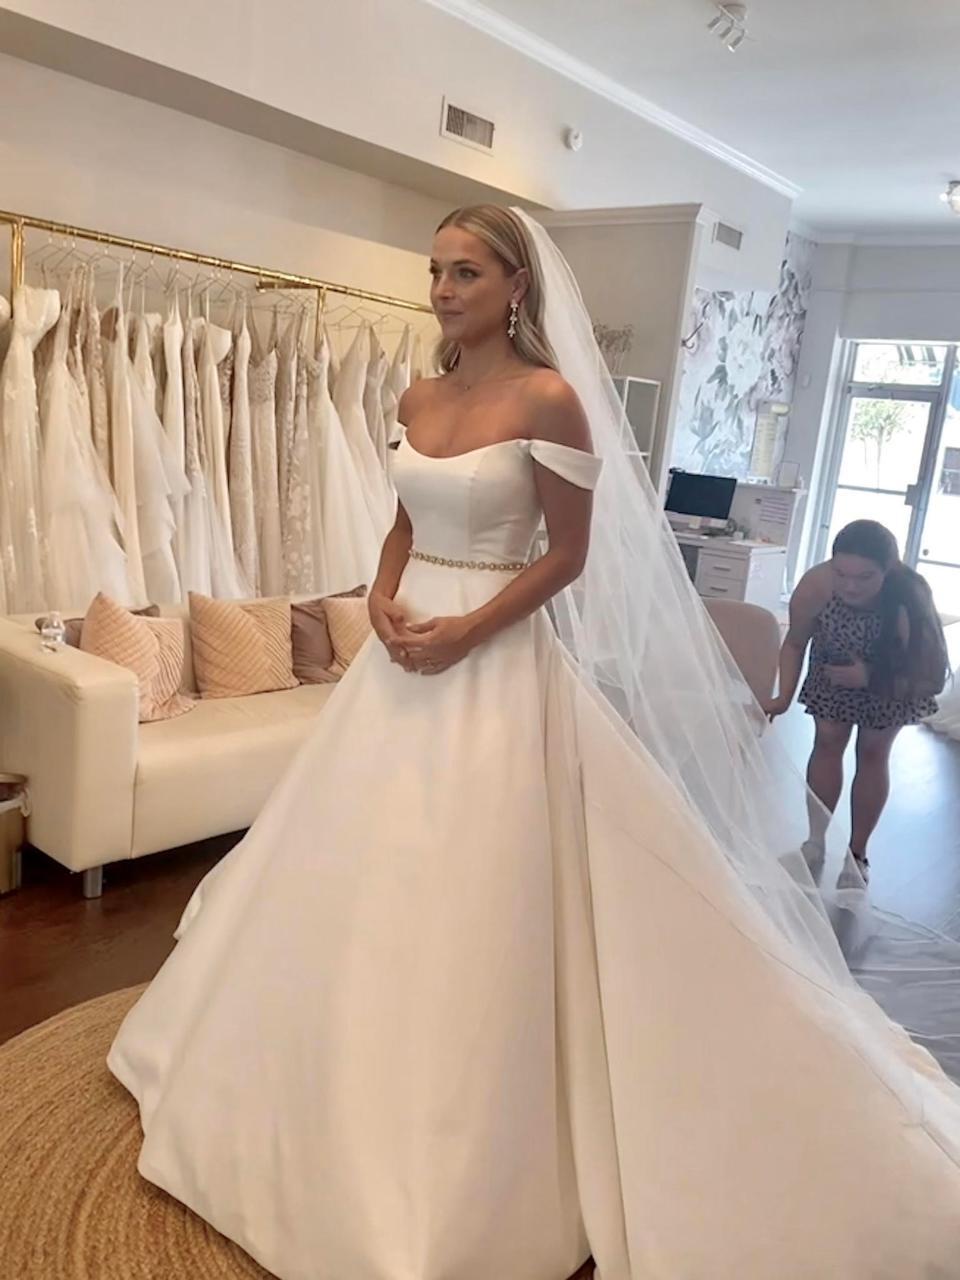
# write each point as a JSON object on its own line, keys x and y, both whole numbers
{"x": 504, "y": 233}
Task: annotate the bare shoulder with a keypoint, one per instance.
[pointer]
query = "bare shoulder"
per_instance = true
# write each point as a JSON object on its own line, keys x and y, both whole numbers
{"x": 813, "y": 590}
{"x": 556, "y": 413}
{"x": 416, "y": 396}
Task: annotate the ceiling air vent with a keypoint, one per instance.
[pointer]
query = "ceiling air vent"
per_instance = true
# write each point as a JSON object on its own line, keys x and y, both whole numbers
{"x": 463, "y": 126}
{"x": 727, "y": 235}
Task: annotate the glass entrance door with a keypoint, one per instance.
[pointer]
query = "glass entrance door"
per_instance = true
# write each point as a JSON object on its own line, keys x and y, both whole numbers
{"x": 897, "y": 458}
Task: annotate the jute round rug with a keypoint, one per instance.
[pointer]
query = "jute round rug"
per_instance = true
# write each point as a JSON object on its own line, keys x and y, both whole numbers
{"x": 72, "y": 1205}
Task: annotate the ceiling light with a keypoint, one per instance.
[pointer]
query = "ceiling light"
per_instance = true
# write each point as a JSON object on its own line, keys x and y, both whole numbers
{"x": 952, "y": 196}
{"x": 729, "y": 25}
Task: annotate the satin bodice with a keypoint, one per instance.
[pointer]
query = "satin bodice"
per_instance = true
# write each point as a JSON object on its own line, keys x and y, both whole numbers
{"x": 483, "y": 505}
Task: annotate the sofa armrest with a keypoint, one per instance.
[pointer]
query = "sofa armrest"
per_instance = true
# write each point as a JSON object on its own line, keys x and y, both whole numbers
{"x": 69, "y": 721}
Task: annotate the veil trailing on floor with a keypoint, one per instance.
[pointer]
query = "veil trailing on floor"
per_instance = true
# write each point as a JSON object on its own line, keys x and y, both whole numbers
{"x": 638, "y": 630}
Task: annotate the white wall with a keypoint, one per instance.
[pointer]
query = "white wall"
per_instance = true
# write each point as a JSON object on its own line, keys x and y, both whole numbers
{"x": 86, "y": 155}
{"x": 907, "y": 293}
{"x": 637, "y": 267}
{"x": 376, "y": 70}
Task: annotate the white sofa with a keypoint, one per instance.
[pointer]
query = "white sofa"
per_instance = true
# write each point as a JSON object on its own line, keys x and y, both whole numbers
{"x": 104, "y": 788}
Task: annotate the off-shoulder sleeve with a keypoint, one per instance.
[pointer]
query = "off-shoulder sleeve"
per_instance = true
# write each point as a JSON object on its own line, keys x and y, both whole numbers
{"x": 579, "y": 468}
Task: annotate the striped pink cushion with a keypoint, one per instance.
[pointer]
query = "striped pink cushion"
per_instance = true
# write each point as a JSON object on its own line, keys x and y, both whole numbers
{"x": 152, "y": 648}
{"x": 241, "y": 649}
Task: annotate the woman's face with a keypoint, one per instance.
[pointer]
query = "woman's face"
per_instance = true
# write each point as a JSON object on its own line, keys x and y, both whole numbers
{"x": 857, "y": 580}
{"x": 471, "y": 290}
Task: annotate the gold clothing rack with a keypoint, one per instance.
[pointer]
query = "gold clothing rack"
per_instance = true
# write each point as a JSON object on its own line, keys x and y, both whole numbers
{"x": 19, "y": 223}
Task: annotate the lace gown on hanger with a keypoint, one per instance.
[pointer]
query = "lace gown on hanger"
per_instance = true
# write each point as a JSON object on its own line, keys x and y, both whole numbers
{"x": 348, "y": 400}
{"x": 96, "y": 378}
{"x": 242, "y": 511}
{"x": 84, "y": 554}
{"x": 196, "y": 549}
{"x": 347, "y": 545}
{"x": 521, "y": 1007}
{"x": 35, "y": 312}
{"x": 266, "y": 486}
{"x": 297, "y": 500}
{"x": 172, "y": 416}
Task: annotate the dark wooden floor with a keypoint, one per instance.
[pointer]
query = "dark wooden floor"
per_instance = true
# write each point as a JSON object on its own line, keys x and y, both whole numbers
{"x": 56, "y": 949}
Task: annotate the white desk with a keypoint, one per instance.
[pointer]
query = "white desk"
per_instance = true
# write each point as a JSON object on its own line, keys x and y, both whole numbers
{"x": 723, "y": 569}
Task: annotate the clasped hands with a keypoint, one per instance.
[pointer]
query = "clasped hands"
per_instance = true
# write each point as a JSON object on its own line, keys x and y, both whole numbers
{"x": 425, "y": 648}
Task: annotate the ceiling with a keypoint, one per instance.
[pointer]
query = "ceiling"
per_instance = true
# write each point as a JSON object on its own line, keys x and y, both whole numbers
{"x": 857, "y": 102}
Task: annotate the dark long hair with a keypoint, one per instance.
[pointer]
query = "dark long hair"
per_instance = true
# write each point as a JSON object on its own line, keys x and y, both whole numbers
{"x": 922, "y": 665}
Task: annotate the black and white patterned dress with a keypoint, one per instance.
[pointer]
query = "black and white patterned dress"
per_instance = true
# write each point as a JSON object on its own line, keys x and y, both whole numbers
{"x": 843, "y": 632}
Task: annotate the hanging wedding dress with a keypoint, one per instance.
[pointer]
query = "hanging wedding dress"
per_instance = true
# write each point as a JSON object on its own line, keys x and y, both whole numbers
{"x": 161, "y": 479}
{"x": 198, "y": 519}
{"x": 300, "y": 537}
{"x": 84, "y": 554}
{"x": 419, "y": 364}
{"x": 242, "y": 511}
{"x": 378, "y": 368}
{"x": 172, "y": 416}
{"x": 35, "y": 311}
{"x": 395, "y": 384}
{"x": 213, "y": 344}
{"x": 266, "y": 489}
{"x": 123, "y": 454}
{"x": 285, "y": 393}
{"x": 348, "y": 401}
{"x": 346, "y": 542}
{"x": 95, "y": 372}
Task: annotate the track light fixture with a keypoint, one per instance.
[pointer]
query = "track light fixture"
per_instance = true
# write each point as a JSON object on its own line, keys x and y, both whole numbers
{"x": 729, "y": 25}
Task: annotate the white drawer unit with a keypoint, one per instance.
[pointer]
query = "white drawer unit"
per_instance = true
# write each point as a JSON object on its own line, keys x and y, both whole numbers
{"x": 723, "y": 569}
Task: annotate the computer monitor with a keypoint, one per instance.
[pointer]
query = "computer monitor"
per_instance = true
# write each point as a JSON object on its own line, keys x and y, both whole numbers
{"x": 705, "y": 498}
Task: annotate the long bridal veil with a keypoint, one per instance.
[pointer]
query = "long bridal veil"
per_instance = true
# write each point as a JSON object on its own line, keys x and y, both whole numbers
{"x": 640, "y": 633}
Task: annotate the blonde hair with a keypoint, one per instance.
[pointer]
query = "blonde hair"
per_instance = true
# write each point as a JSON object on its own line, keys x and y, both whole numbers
{"x": 504, "y": 233}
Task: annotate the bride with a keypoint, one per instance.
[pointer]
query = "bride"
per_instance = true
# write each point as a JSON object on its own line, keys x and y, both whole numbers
{"x": 512, "y": 968}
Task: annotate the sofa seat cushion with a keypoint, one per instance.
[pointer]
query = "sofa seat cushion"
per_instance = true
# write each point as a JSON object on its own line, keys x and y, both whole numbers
{"x": 211, "y": 771}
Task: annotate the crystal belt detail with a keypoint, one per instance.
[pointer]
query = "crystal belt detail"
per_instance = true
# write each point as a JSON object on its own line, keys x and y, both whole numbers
{"x": 514, "y": 567}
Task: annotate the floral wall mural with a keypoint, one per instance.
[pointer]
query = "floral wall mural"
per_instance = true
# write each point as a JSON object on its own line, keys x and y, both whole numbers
{"x": 742, "y": 351}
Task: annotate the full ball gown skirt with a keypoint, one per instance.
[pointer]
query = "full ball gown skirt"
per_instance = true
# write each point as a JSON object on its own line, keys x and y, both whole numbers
{"x": 478, "y": 995}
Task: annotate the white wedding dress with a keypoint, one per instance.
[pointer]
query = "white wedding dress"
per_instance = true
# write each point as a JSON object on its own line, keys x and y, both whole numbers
{"x": 947, "y": 718}
{"x": 478, "y": 995}
{"x": 84, "y": 554}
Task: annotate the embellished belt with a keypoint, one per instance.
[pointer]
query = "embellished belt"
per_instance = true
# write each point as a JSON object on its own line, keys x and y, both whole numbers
{"x": 514, "y": 567}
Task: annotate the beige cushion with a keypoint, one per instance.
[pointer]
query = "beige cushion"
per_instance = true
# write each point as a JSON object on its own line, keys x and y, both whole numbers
{"x": 241, "y": 649}
{"x": 152, "y": 648}
{"x": 349, "y": 623}
{"x": 212, "y": 772}
{"x": 313, "y": 658}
